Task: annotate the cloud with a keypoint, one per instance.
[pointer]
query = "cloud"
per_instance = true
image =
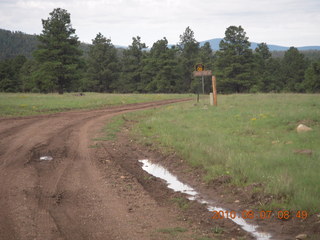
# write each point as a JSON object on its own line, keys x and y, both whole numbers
{"x": 286, "y": 22}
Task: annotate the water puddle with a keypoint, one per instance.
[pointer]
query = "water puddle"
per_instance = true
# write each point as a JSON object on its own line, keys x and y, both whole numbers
{"x": 174, "y": 184}
{"x": 46, "y": 158}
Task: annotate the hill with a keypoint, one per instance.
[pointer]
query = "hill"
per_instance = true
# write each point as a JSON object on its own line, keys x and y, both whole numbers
{"x": 215, "y": 46}
{"x": 17, "y": 43}
{"x": 13, "y": 44}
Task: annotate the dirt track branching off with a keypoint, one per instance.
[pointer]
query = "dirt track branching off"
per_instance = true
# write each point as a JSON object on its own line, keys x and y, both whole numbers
{"x": 20, "y": 104}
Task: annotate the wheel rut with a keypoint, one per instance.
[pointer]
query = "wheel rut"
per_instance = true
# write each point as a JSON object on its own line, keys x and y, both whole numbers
{"x": 70, "y": 197}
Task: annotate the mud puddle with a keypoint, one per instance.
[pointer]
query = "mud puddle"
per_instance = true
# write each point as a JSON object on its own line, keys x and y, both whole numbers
{"x": 174, "y": 184}
{"x": 46, "y": 158}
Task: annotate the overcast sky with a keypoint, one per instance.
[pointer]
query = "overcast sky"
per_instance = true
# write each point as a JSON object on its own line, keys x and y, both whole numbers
{"x": 282, "y": 22}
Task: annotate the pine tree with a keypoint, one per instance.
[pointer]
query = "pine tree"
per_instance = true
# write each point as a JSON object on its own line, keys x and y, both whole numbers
{"x": 234, "y": 64}
{"x": 58, "y": 53}
{"x": 102, "y": 64}
{"x": 9, "y": 74}
{"x": 189, "y": 50}
{"x": 293, "y": 68}
{"x": 271, "y": 76}
{"x": 262, "y": 57}
{"x": 312, "y": 78}
{"x": 28, "y": 82}
{"x": 206, "y": 56}
{"x": 130, "y": 79}
{"x": 263, "y": 51}
{"x": 159, "y": 73}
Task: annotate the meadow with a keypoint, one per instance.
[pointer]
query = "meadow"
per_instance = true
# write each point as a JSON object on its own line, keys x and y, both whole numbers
{"x": 251, "y": 137}
{"x": 19, "y": 104}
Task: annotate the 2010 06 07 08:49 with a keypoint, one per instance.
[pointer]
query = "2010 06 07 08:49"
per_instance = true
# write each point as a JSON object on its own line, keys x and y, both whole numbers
{"x": 249, "y": 214}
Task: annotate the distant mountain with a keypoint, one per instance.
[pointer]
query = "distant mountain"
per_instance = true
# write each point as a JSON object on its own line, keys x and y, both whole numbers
{"x": 307, "y": 48}
{"x": 215, "y": 46}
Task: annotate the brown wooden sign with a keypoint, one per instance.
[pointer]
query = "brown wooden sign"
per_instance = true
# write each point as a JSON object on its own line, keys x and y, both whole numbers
{"x": 202, "y": 73}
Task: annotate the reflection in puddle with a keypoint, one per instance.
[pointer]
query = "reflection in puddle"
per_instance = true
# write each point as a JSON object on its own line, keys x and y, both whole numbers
{"x": 174, "y": 184}
{"x": 46, "y": 158}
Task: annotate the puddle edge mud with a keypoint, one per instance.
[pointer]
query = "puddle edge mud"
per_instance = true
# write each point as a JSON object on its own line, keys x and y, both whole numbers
{"x": 173, "y": 183}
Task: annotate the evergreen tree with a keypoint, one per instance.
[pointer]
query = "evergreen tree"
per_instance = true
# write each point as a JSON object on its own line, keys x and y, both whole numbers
{"x": 293, "y": 68}
{"x": 9, "y": 74}
{"x": 58, "y": 53}
{"x": 271, "y": 76}
{"x": 206, "y": 56}
{"x": 262, "y": 50}
{"x": 312, "y": 78}
{"x": 234, "y": 64}
{"x": 130, "y": 79}
{"x": 102, "y": 64}
{"x": 159, "y": 72}
{"x": 189, "y": 50}
{"x": 261, "y": 57}
{"x": 28, "y": 82}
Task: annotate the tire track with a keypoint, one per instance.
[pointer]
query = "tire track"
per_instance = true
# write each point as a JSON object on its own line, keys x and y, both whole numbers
{"x": 63, "y": 198}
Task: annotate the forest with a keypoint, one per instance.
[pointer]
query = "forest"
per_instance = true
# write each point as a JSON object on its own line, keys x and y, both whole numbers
{"x": 60, "y": 63}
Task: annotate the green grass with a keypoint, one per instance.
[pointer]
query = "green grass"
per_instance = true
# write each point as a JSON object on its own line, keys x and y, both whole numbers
{"x": 251, "y": 137}
{"x": 20, "y": 104}
{"x": 172, "y": 231}
{"x": 110, "y": 130}
{"x": 217, "y": 230}
{"x": 181, "y": 202}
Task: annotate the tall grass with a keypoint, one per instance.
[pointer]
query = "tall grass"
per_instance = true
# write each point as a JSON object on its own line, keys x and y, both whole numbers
{"x": 250, "y": 137}
{"x": 19, "y": 104}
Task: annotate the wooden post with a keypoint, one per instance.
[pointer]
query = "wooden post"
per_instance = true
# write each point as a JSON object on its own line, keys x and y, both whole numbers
{"x": 202, "y": 78}
{"x": 211, "y": 99}
{"x": 214, "y": 88}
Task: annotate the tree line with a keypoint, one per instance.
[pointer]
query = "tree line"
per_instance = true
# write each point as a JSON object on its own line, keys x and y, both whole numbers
{"x": 59, "y": 65}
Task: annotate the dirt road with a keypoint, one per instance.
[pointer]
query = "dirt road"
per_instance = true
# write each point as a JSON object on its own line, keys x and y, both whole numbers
{"x": 97, "y": 190}
{"x": 83, "y": 193}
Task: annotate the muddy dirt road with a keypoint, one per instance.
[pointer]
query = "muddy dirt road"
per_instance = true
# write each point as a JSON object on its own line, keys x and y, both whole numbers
{"x": 98, "y": 190}
{"x": 83, "y": 193}
{"x": 68, "y": 197}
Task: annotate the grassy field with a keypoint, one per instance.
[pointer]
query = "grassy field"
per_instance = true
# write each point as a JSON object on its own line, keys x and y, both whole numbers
{"x": 249, "y": 137}
{"x": 18, "y": 104}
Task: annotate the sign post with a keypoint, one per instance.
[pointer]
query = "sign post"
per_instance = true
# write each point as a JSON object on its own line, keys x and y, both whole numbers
{"x": 201, "y": 72}
{"x": 202, "y": 78}
{"x": 214, "y": 89}
{"x": 200, "y": 68}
